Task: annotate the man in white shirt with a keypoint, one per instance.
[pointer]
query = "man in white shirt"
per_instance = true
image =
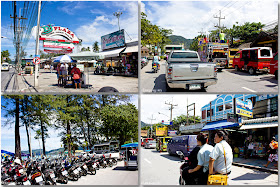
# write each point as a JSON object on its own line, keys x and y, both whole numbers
{"x": 217, "y": 160}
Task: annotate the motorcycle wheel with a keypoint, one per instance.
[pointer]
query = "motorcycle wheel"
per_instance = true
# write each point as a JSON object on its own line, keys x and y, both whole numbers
{"x": 93, "y": 172}
{"x": 110, "y": 164}
{"x": 181, "y": 181}
{"x": 65, "y": 181}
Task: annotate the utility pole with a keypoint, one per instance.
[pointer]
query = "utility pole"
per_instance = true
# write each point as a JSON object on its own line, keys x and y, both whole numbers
{"x": 171, "y": 108}
{"x": 36, "y": 76}
{"x": 193, "y": 104}
{"x": 201, "y": 32}
{"x": 151, "y": 124}
{"x": 219, "y": 17}
{"x": 118, "y": 14}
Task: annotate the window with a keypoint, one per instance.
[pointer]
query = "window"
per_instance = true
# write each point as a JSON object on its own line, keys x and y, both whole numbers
{"x": 220, "y": 108}
{"x": 184, "y": 55}
{"x": 276, "y": 57}
{"x": 265, "y": 53}
{"x": 253, "y": 55}
{"x": 237, "y": 55}
{"x": 208, "y": 112}
{"x": 228, "y": 106}
{"x": 232, "y": 53}
{"x": 203, "y": 114}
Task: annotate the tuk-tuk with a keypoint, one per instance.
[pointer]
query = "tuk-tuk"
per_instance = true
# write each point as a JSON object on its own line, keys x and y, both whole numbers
{"x": 130, "y": 160}
{"x": 162, "y": 143}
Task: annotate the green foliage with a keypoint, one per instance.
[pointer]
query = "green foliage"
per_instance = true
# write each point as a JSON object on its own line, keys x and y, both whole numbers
{"x": 178, "y": 40}
{"x": 246, "y": 32}
{"x": 85, "y": 49}
{"x": 182, "y": 120}
{"x": 7, "y": 55}
{"x": 95, "y": 47}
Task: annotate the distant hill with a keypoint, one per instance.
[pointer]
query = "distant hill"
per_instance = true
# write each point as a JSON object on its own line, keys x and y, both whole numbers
{"x": 176, "y": 40}
{"x": 37, "y": 151}
{"x": 143, "y": 124}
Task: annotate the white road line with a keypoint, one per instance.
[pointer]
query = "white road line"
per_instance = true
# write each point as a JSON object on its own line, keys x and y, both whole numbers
{"x": 147, "y": 161}
{"x": 248, "y": 89}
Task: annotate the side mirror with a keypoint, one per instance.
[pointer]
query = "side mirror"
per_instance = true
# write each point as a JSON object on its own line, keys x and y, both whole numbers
{"x": 179, "y": 153}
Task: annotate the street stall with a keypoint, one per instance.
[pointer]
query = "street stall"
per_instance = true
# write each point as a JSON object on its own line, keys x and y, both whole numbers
{"x": 130, "y": 58}
{"x": 130, "y": 160}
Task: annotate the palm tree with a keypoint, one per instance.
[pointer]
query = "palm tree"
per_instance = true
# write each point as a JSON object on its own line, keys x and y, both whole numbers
{"x": 95, "y": 47}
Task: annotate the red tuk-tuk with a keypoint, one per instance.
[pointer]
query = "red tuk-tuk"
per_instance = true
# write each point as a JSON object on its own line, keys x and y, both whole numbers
{"x": 253, "y": 59}
{"x": 274, "y": 66}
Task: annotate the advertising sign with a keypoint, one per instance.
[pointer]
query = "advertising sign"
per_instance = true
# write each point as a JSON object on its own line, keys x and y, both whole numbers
{"x": 115, "y": 39}
{"x": 244, "y": 108}
{"x": 58, "y": 40}
{"x": 232, "y": 118}
{"x": 172, "y": 133}
{"x": 58, "y": 51}
{"x": 50, "y": 31}
{"x": 61, "y": 45}
{"x": 161, "y": 131}
{"x": 144, "y": 133}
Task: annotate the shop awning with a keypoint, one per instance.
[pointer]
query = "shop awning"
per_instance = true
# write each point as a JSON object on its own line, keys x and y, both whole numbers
{"x": 131, "y": 49}
{"x": 85, "y": 55}
{"x": 223, "y": 124}
{"x": 259, "y": 125}
{"x": 111, "y": 53}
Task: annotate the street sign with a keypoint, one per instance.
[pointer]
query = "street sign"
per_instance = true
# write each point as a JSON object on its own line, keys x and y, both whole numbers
{"x": 36, "y": 60}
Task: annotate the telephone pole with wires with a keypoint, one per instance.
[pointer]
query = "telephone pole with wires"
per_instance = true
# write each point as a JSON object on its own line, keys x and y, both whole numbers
{"x": 151, "y": 125}
{"x": 171, "y": 108}
{"x": 220, "y": 18}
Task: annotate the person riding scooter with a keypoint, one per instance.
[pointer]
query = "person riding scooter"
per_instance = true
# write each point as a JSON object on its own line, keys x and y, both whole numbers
{"x": 156, "y": 61}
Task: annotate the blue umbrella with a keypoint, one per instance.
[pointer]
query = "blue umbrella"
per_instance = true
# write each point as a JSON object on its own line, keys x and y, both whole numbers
{"x": 63, "y": 58}
{"x": 135, "y": 144}
{"x": 7, "y": 152}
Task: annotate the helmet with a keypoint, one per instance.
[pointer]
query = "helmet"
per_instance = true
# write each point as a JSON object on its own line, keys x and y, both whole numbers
{"x": 17, "y": 161}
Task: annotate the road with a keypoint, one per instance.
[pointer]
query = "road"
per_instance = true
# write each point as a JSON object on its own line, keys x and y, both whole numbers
{"x": 7, "y": 80}
{"x": 117, "y": 175}
{"x": 228, "y": 81}
{"x": 163, "y": 169}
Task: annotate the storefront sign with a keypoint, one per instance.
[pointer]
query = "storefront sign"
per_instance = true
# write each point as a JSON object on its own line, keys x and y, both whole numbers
{"x": 55, "y": 44}
{"x": 115, "y": 39}
{"x": 232, "y": 118}
{"x": 191, "y": 127}
{"x": 264, "y": 97}
{"x": 58, "y": 40}
{"x": 144, "y": 133}
{"x": 161, "y": 131}
{"x": 244, "y": 108}
{"x": 59, "y": 51}
{"x": 172, "y": 133}
{"x": 50, "y": 31}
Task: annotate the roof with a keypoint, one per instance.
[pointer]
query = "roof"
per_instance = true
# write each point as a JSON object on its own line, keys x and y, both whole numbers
{"x": 254, "y": 48}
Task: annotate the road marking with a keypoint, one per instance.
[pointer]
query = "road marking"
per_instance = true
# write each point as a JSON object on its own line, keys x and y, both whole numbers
{"x": 147, "y": 161}
{"x": 248, "y": 89}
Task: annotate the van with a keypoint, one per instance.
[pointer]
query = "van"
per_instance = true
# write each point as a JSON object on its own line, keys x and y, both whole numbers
{"x": 162, "y": 143}
{"x": 253, "y": 60}
{"x": 274, "y": 66}
{"x": 185, "y": 144}
{"x": 5, "y": 66}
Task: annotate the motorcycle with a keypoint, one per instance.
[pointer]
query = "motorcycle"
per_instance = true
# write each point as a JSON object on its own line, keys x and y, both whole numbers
{"x": 154, "y": 67}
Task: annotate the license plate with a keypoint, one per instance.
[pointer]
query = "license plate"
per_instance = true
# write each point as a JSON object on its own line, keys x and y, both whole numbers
{"x": 64, "y": 173}
{"x": 84, "y": 166}
{"x": 194, "y": 86}
{"x": 76, "y": 171}
{"x": 39, "y": 179}
{"x": 27, "y": 183}
{"x": 52, "y": 175}
{"x": 79, "y": 169}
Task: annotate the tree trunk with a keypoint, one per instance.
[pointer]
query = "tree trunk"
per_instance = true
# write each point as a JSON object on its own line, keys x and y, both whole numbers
{"x": 43, "y": 138}
{"x": 26, "y": 125}
{"x": 69, "y": 139}
{"x": 17, "y": 135}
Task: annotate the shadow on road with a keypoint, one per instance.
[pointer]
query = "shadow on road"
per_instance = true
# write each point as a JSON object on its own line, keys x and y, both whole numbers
{"x": 160, "y": 84}
{"x": 174, "y": 158}
{"x": 122, "y": 168}
{"x": 243, "y": 73}
{"x": 253, "y": 176}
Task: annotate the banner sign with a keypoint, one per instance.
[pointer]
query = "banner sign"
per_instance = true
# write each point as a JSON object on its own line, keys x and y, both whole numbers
{"x": 161, "y": 131}
{"x": 115, "y": 39}
{"x": 55, "y": 44}
{"x": 58, "y": 40}
{"x": 50, "y": 31}
{"x": 244, "y": 108}
{"x": 59, "y": 51}
{"x": 172, "y": 133}
{"x": 144, "y": 133}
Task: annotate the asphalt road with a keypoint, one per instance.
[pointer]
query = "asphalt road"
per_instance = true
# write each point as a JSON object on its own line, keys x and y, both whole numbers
{"x": 163, "y": 169}
{"x": 117, "y": 175}
{"x": 7, "y": 77}
{"x": 228, "y": 81}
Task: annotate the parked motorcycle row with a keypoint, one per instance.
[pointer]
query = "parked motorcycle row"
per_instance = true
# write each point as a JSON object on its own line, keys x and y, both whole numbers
{"x": 52, "y": 171}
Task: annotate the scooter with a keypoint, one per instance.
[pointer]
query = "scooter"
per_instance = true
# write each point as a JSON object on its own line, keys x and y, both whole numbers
{"x": 154, "y": 67}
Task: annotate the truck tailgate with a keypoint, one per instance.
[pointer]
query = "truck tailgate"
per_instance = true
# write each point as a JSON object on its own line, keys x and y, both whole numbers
{"x": 192, "y": 71}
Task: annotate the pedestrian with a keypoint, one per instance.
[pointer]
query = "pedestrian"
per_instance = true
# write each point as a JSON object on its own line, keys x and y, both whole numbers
{"x": 203, "y": 156}
{"x": 58, "y": 73}
{"x": 76, "y": 76}
{"x": 51, "y": 68}
{"x": 63, "y": 69}
{"x": 217, "y": 159}
{"x": 273, "y": 156}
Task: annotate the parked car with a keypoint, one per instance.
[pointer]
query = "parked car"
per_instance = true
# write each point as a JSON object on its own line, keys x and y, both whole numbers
{"x": 5, "y": 66}
{"x": 145, "y": 140}
{"x": 151, "y": 144}
{"x": 253, "y": 60}
{"x": 274, "y": 66}
{"x": 185, "y": 144}
{"x": 184, "y": 69}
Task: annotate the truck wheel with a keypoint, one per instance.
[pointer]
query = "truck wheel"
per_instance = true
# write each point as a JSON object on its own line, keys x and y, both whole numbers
{"x": 252, "y": 71}
{"x": 168, "y": 89}
{"x": 236, "y": 68}
{"x": 276, "y": 74}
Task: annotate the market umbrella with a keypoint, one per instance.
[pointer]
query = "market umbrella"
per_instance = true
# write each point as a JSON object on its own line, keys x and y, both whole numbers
{"x": 6, "y": 153}
{"x": 63, "y": 58}
{"x": 135, "y": 144}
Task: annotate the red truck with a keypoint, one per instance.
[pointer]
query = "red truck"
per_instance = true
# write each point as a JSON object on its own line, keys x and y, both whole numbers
{"x": 253, "y": 59}
{"x": 274, "y": 66}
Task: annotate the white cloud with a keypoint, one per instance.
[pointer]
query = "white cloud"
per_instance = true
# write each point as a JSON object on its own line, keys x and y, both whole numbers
{"x": 151, "y": 105}
{"x": 189, "y": 17}
{"x": 70, "y": 8}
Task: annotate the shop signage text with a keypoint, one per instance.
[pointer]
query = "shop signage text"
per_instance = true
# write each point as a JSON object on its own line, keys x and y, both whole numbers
{"x": 244, "y": 108}
{"x": 113, "y": 40}
{"x": 161, "y": 131}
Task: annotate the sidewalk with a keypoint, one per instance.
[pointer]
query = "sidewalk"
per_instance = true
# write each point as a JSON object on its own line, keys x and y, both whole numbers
{"x": 48, "y": 83}
{"x": 253, "y": 163}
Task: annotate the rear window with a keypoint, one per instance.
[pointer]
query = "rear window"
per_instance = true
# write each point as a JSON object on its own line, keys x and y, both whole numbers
{"x": 265, "y": 53}
{"x": 183, "y": 55}
{"x": 5, "y": 65}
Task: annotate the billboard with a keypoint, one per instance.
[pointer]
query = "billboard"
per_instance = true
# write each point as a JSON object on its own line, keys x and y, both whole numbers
{"x": 113, "y": 40}
{"x": 161, "y": 131}
{"x": 144, "y": 133}
{"x": 65, "y": 51}
{"x": 61, "y": 45}
{"x": 244, "y": 108}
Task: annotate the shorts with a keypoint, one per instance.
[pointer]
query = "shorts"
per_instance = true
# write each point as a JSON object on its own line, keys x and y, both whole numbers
{"x": 273, "y": 157}
{"x": 77, "y": 81}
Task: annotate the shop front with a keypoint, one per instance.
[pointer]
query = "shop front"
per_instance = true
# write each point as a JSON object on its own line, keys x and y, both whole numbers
{"x": 191, "y": 129}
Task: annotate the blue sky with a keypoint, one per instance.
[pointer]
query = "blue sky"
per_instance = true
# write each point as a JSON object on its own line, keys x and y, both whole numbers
{"x": 187, "y": 18}
{"x": 8, "y": 133}
{"x": 89, "y": 20}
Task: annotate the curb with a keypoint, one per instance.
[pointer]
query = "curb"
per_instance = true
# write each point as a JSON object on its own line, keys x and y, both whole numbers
{"x": 274, "y": 171}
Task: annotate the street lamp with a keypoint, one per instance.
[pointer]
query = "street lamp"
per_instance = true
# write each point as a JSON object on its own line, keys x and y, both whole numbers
{"x": 118, "y": 14}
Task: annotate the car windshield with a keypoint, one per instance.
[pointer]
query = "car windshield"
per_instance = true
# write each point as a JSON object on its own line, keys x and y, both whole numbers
{"x": 184, "y": 55}
{"x": 265, "y": 53}
{"x": 5, "y": 65}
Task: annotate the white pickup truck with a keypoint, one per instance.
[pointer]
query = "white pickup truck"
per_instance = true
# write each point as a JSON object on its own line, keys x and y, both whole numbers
{"x": 184, "y": 69}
